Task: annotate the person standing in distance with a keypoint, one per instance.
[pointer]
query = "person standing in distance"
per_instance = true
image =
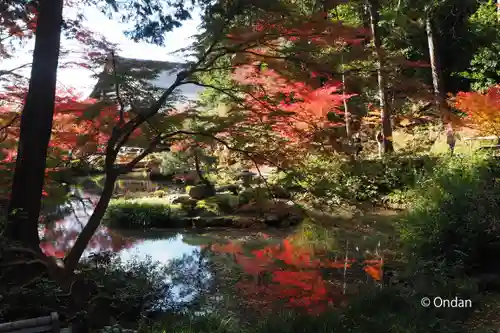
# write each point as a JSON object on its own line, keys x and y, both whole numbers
{"x": 451, "y": 139}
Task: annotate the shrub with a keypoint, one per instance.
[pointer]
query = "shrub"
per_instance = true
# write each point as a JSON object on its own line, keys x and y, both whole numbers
{"x": 159, "y": 194}
{"x": 143, "y": 213}
{"x": 454, "y": 218}
{"x": 127, "y": 292}
{"x": 333, "y": 181}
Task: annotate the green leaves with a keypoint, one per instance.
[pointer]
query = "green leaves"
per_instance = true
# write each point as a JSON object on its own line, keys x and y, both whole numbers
{"x": 334, "y": 117}
{"x": 94, "y": 110}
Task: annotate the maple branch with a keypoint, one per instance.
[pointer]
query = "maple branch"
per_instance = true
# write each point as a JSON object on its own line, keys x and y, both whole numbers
{"x": 227, "y": 92}
{"x": 205, "y": 69}
{"x": 133, "y": 124}
{"x": 221, "y": 90}
{"x": 314, "y": 65}
{"x": 246, "y": 153}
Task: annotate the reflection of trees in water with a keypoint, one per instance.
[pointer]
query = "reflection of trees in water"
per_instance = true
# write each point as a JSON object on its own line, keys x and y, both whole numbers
{"x": 59, "y": 236}
{"x": 64, "y": 222}
{"x": 241, "y": 276}
{"x": 278, "y": 276}
{"x": 192, "y": 276}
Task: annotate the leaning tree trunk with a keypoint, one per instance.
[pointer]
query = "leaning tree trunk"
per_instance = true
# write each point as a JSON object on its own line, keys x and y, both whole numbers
{"x": 76, "y": 252}
{"x": 437, "y": 82}
{"x": 385, "y": 110}
{"x": 36, "y": 128}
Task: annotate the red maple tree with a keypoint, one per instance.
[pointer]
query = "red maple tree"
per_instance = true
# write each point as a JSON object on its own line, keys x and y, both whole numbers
{"x": 295, "y": 110}
{"x": 482, "y": 110}
{"x": 287, "y": 89}
{"x": 81, "y": 128}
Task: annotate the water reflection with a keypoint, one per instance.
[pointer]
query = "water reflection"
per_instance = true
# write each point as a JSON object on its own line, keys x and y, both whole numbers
{"x": 162, "y": 250}
{"x": 261, "y": 273}
{"x": 58, "y": 237}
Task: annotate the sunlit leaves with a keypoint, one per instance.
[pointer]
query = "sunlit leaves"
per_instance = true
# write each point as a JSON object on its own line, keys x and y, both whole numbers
{"x": 294, "y": 110}
{"x": 482, "y": 109}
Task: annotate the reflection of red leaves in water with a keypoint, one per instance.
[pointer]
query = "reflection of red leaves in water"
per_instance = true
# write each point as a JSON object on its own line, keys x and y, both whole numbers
{"x": 58, "y": 239}
{"x": 51, "y": 251}
{"x": 299, "y": 285}
{"x": 57, "y": 242}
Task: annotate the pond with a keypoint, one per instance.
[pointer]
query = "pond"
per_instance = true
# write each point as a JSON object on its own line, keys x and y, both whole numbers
{"x": 269, "y": 268}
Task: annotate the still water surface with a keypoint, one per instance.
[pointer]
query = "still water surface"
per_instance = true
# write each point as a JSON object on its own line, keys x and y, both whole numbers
{"x": 271, "y": 267}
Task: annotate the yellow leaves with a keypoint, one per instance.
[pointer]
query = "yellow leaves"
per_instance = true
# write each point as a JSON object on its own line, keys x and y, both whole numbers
{"x": 405, "y": 122}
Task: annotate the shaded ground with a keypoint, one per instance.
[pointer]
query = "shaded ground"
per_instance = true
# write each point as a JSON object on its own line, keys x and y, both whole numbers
{"x": 486, "y": 318}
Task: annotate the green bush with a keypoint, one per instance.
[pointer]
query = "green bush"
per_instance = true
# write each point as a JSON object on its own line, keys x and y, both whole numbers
{"x": 159, "y": 194}
{"x": 127, "y": 292}
{"x": 143, "y": 213}
{"x": 334, "y": 181}
{"x": 454, "y": 219}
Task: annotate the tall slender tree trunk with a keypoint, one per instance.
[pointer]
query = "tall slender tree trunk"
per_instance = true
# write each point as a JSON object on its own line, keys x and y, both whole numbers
{"x": 437, "y": 81}
{"x": 347, "y": 114}
{"x": 36, "y": 128}
{"x": 385, "y": 109}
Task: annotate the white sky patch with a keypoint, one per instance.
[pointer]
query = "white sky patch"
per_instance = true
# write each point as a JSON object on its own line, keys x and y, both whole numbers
{"x": 81, "y": 78}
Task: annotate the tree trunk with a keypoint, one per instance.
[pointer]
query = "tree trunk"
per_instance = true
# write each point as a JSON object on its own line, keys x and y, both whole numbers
{"x": 36, "y": 128}
{"x": 347, "y": 114}
{"x": 197, "y": 166}
{"x": 72, "y": 259}
{"x": 437, "y": 82}
{"x": 385, "y": 110}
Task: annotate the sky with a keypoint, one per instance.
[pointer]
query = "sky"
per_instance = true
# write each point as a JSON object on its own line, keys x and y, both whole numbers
{"x": 80, "y": 78}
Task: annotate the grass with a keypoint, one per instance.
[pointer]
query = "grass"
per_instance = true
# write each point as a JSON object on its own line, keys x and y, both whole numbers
{"x": 143, "y": 213}
{"x": 387, "y": 311}
{"x": 405, "y": 141}
{"x": 485, "y": 318}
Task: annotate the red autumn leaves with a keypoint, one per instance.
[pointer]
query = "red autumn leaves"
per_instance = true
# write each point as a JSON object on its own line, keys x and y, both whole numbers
{"x": 295, "y": 110}
{"x": 296, "y": 277}
{"x": 80, "y": 126}
{"x": 482, "y": 109}
{"x": 283, "y": 94}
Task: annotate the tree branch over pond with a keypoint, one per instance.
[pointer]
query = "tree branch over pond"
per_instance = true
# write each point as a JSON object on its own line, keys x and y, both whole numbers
{"x": 121, "y": 134}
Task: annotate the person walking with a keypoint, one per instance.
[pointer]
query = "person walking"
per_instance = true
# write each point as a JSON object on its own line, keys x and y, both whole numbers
{"x": 380, "y": 141}
{"x": 357, "y": 144}
{"x": 451, "y": 139}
